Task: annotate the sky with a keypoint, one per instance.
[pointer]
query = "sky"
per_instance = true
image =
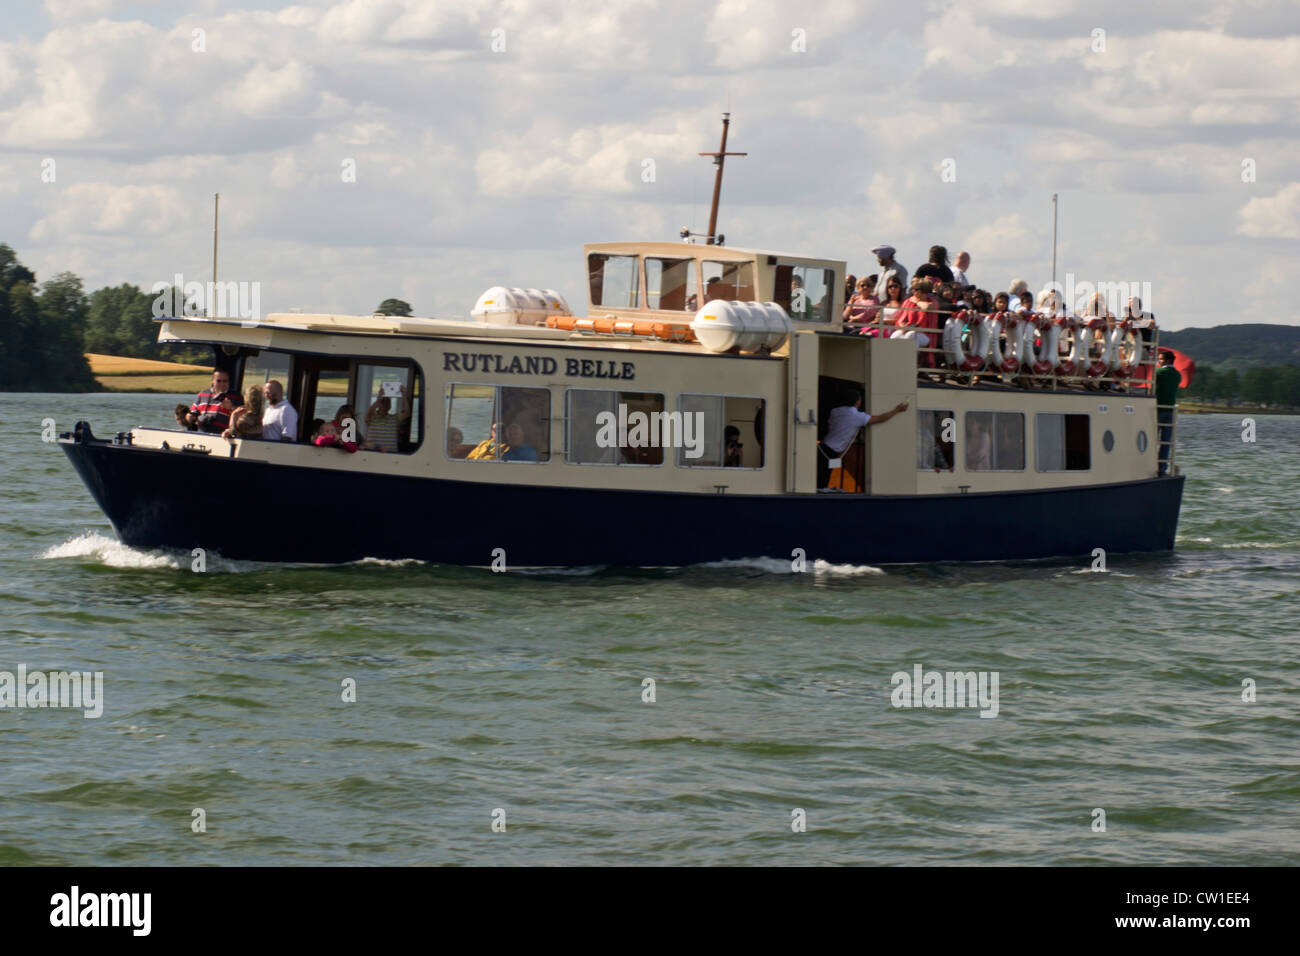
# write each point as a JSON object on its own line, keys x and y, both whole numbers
{"x": 367, "y": 149}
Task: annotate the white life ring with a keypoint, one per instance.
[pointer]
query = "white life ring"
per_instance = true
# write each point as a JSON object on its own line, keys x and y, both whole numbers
{"x": 1062, "y": 323}
{"x": 960, "y": 359}
{"x": 993, "y": 322}
{"x": 1015, "y": 332}
{"x": 1097, "y": 332}
{"x": 1123, "y": 349}
{"x": 952, "y": 342}
{"x": 1046, "y": 357}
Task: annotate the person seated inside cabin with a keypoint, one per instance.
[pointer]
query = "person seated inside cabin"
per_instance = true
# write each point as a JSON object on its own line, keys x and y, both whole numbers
{"x": 516, "y": 448}
{"x": 733, "y": 447}
{"x": 246, "y": 420}
{"x": 205, "y": 413}
{"x": 979, "y": 447}
{"x": 280, "y": 420}
{"x": 800, "y": 307}
{"x": 339, "y": 433}
{"x": 383, "y": 426}
{"x": 841, "y": 428}
{"x": 488, "y": 448}
{"x": 714, "y": 289}
{"x": 456, "y": 447}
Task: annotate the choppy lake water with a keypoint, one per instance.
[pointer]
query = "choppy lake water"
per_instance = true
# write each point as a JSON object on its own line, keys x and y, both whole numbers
{"x": 522, "y": 692}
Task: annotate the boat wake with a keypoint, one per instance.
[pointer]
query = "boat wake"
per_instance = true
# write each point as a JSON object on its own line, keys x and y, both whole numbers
{"x": 782, "y": 566}
{"x": 110, "y": 552}
{"x": 107, "y": 551}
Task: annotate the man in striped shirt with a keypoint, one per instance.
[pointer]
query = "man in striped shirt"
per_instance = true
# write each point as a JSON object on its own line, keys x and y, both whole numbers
{"x": 383, "y": 428}
{"x": 206, "y": 413}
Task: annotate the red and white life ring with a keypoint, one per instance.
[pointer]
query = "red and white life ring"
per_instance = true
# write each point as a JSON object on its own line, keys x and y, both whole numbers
{"x": 1011, "y": 326}
{"x": 1097, "y": 332}
{"x": 1048, "y": 335}
{"x": 1062, "y": 323}
{"x": 1123, "y": 349}
{"x": 958, "y": 357}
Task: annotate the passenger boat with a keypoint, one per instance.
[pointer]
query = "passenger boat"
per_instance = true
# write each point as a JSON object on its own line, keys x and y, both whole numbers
{"x": 614, "y": 442}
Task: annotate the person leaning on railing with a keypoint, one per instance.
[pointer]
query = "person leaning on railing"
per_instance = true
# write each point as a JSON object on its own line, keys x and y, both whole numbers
{"x": 1168, "y": 379}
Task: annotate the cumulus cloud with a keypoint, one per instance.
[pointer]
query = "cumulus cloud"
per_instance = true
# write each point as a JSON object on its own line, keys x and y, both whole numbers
{"x": 1272, "y": 217}
{"x": 480, "y": 161}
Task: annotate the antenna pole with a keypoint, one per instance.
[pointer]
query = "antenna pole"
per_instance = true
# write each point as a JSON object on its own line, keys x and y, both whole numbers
{"x": 216, "y": 211}
{"x": 1054, "y": 210}
{"x": 718, "y": 159}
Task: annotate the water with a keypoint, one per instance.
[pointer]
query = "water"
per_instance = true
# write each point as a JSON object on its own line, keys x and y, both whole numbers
{"x": 477, "y": 691}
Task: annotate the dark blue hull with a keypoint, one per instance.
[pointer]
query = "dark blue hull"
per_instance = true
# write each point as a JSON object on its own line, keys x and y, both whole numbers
{"x": 252, "y": 510}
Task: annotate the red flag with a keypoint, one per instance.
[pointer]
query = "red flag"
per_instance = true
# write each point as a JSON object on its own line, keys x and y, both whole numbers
{"x": 1184, "y": 363}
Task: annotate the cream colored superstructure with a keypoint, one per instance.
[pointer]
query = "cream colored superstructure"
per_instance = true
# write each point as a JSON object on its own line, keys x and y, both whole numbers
{"x": 789, "y": 382}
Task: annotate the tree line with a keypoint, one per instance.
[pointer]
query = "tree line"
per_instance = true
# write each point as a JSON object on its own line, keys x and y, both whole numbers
{"x": 45, "y": 331}
{"x": 1274, "y": 385}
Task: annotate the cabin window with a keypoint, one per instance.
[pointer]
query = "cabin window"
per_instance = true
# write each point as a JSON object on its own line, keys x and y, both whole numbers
{"x": 936, "y": 439}
{"x": 264, "y": 367}
{"x": 670, "y": 284}
{"x": 1062, "y": 442}
{"x": 700, "y": 434}
{"x": 806, "y": 292}
{"x": 327, "y": 384}
{"x": 614, "y": 280}
{"x": 331, "y": 392}
{"x": 995, "y": 441}
{"x": 613, "y": 428}
{"x": 732, "y": 281}
{"x": 498, "y": 423}
{"x": 386, "y": 405}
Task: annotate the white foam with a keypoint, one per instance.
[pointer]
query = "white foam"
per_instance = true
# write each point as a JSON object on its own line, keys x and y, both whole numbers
{"x": 114, "y": 554}
{"x": 390, "y": 562}
{"x": 110, "y": 552}
{"x": 782, "y": 566}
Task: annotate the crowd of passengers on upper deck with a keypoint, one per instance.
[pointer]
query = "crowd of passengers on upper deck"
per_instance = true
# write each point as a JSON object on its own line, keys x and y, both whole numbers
{"x": 264, "y": 413}
{"x": 920, "y": 307}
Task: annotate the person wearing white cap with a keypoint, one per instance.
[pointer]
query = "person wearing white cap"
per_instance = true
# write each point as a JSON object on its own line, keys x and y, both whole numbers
{"x": 889, "y": 266}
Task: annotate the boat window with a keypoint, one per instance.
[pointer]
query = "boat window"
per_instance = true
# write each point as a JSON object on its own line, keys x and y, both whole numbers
{"x": 806, "y": 292}
{"x": 733, "y": 281}
{"x": 1061, "y": 442}
{"x": 386, "y": 406}
{"x": 331, "y": 395}
{"x": 703, "y": 436}
{"x": 613, "y": 428}
{"x": 936, "y": 438}
{"x": 614, "y": 280}
{"x": 995, "y": 441}
{"x": 264, "y": 367}
{"x": 498, "y": 423}
{"x": 670, "y": 283}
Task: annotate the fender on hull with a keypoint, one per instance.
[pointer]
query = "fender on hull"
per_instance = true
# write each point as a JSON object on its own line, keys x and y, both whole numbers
{"x": 256, "y": 511}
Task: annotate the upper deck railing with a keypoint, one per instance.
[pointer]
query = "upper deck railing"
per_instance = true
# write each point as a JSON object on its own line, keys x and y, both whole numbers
{"x": 1025, "y": 349}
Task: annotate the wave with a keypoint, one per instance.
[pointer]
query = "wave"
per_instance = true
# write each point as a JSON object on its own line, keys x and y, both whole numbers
{"x": 111, "y": 553}
{"x": 783, "y": 566}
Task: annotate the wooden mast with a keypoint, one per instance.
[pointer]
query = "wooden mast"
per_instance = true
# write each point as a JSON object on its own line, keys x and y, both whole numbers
{"x": 718, "y": 159}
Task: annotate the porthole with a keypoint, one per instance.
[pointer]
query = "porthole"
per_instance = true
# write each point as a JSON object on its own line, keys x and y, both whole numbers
{"x": 1142, "y": 443}
{"x": 1108, "y": 440}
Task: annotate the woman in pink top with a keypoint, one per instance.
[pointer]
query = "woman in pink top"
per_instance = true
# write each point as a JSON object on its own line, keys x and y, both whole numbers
{"x": 863, "y": 305}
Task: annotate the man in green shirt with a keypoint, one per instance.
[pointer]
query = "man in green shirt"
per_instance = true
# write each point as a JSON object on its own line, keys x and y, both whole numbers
{"x": 1168, "y": 379}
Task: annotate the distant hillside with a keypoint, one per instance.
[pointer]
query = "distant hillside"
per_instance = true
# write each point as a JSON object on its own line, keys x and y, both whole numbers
{"x": 1238, "y": 347}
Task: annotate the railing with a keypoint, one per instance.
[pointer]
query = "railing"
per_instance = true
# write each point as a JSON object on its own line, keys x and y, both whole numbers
{"x": 1166, "y": 435}
{"x": 934, "y": 362}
